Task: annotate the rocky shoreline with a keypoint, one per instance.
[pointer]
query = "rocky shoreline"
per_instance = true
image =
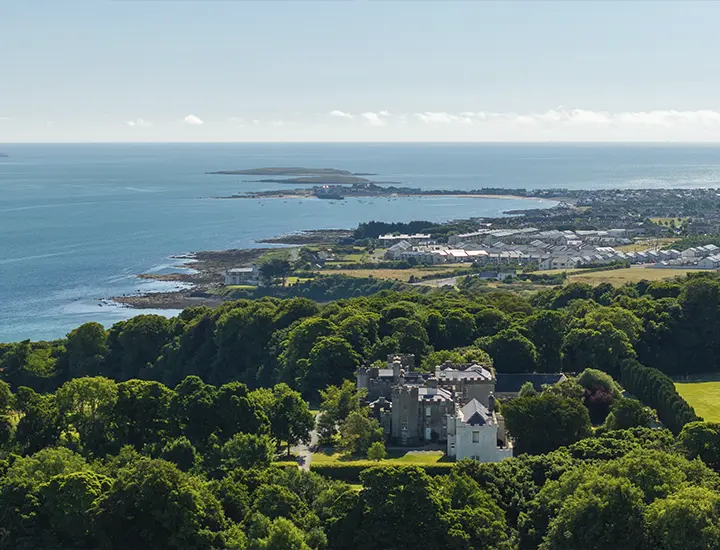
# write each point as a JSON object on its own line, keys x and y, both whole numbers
{"x": 205, "y": 269}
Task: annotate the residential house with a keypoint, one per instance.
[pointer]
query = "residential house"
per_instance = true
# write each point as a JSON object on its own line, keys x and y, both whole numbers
{"x": 243, "y": 276}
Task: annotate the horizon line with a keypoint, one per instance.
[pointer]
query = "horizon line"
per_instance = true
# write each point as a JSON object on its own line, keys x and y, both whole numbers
{"x": 368, "y": 142}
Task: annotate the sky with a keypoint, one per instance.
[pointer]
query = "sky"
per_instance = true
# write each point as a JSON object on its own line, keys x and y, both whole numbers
{"x": 359, "y": 70}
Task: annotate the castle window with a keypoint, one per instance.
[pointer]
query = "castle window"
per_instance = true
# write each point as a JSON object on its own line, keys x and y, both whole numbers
{"x": 428, "y": 411}
{"x": 476, "y": 437}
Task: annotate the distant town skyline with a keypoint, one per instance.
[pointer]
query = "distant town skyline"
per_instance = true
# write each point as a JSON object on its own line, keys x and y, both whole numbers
{"x": 88, "y": 71}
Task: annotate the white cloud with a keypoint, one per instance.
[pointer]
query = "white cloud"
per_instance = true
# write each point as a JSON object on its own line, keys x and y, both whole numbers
{"x": 277, "y": 123}
{"x": 430, "y": 117}
{"x": 580, "y": 117}
{"x": 4, "y": 118}
{"x": 192, "y": 120}
{"x": 340, "y": 114}
{"x": 139, "y": 122}
{"x": 384, "y": 113}
{"x": 374, "y": 119}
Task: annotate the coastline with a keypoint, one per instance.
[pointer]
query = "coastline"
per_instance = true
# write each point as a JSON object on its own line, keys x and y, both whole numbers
{"x": 281, "y": 195}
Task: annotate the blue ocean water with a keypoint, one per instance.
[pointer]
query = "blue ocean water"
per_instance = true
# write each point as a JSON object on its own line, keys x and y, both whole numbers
{"x": 78, "y": 222}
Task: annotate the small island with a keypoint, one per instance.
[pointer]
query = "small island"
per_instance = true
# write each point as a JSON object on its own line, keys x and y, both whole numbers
{"x": 302, "y": 176}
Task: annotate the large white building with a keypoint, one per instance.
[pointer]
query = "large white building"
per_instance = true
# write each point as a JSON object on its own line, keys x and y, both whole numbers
{"x": 477, "y": 433}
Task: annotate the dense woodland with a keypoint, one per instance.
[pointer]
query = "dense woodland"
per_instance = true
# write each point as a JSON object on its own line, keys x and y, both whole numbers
{"x": 161, "y": 433}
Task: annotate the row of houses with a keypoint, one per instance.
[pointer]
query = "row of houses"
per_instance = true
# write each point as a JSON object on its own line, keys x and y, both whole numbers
{"x": 610, "y": 237}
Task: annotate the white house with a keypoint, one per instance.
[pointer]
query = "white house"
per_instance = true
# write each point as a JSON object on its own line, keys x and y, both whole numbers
{"x": 477, "y": 433}
{"x": 243, "y": 276}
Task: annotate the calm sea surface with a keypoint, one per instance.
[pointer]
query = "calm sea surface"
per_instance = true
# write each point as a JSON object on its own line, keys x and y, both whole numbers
{"x": 77, "y": 222}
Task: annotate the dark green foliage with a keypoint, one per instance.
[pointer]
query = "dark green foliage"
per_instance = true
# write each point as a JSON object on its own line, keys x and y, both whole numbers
{"x": 702, "y": 440}
{"x": 540, "y": 424}
{"x": 155, "y": 505}
{"x": 657, "y": 390}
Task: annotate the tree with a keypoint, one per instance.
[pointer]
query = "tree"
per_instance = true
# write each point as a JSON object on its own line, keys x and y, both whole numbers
{"x": 629, "y": 413}
{"x": 193, "y": 410}
{"x": 527, "y": 390}
{"x": 290, "y": 418}
{"x": 236, "y": 413}
{"x": 337, "y": 402}
{"x": 540, "y": 424}
{"x": 594, "y": 378}
{"x": 67, "y": 502}
{"x": 490, "y": 321}
{"x": 399, "y": 509}
{"x": 135, "y": 344}
{"x": 702, "y": 440}
{"x": 87, "y": 405}
{"x": 686, "y": 520}
{"x": 141, "y": 414}
{"x": 155, "y": 505}
{"x": 358, "y": 432}
{"x": 604, "y": 513}
{"x": 459, "y": 328}
{"x": 546, "y": 330}
{"x": 247, "y": 451}
{"x": 85, "y": 350}
{"x": 39, "y": 425}
{"x": 181, "y": 452}
{"x": 377, "y": 451}
{"x": 511, "y": 351}
{"x": 331, "y": 360}
{"x": 282, "y": 535}
{"x": 275, "y": 268}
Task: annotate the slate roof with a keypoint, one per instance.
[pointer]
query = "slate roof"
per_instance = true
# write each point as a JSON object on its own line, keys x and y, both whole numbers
{"x": 472, "y": 372}
{"x": 512, "y": 382}
{"x": 475, "y": 413}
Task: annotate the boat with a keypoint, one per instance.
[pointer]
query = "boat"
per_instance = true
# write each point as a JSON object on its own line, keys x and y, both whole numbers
{"x": 4, "y": 155}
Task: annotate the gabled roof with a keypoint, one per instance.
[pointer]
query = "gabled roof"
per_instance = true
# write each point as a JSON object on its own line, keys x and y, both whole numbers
{"x": 475, "y": 413}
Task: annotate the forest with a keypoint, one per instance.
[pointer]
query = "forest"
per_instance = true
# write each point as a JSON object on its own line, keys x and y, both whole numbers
{"x": 164, "y": 433}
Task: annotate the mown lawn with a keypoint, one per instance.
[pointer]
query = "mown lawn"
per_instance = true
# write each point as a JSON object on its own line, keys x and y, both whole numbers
{"x": 394, "y": 457}
{"x": 703, "y": 396}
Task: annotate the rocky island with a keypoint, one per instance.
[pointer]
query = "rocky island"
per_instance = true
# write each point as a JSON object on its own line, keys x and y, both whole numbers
{"x": 306, "y": 176}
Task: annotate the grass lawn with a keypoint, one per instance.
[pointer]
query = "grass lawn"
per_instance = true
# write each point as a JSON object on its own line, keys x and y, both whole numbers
{"x": 645, "y": 244}
{"x": 399, "y": 274}
{"x": 394, "y": 457}
{"x": 703, "y": 396}
{"x": 618, "y": 277}
{"x": 293, "y": 280}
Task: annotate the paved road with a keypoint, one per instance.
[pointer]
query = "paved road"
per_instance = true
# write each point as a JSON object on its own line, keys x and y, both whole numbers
{"x": 304, "y": 452}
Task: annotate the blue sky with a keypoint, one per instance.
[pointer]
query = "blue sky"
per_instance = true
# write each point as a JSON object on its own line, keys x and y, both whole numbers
{"x": 95, "y": 70}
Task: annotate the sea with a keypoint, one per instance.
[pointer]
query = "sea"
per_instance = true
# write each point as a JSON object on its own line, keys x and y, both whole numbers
{"x": 78, "y": 222}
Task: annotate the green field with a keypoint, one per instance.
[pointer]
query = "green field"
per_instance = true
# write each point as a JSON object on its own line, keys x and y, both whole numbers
{"x": 408, "y": 458}
{"x": 704, "y": 396}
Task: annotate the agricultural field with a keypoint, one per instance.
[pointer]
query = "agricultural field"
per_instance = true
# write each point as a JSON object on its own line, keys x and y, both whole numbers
{"x": 618, "y": 277}
{"x": 398, "y": 274}
{"x": 704, "y": 396}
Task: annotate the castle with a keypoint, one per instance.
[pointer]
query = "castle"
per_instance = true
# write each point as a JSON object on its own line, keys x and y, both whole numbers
{"x": 454, "y": 405}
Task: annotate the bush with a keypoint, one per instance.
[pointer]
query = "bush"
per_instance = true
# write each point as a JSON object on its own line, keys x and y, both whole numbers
{"x": 350, "y": 472}
{"x": 377, "y": 451}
